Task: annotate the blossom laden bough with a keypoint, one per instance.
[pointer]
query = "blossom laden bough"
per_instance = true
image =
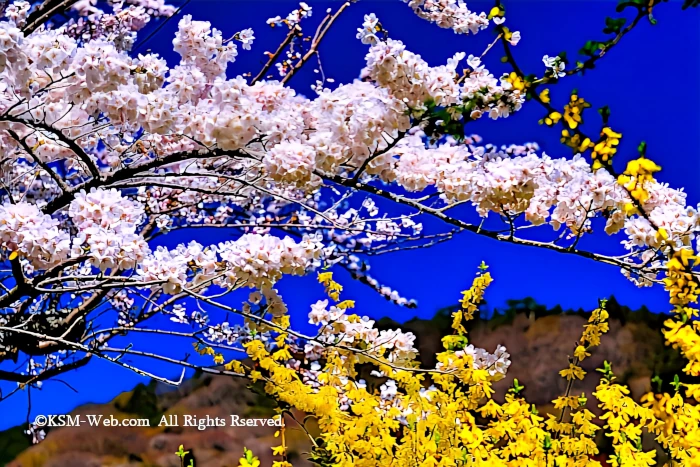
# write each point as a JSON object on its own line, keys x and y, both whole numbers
{"x": 105, "y": 151}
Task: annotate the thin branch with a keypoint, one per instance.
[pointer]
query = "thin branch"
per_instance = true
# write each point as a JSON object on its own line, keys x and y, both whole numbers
{"x": 315, "y": 43}
{"x": 293, "y": 32}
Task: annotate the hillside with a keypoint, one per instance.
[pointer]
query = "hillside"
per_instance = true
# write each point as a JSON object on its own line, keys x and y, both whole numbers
{"x": 538, "y": 339}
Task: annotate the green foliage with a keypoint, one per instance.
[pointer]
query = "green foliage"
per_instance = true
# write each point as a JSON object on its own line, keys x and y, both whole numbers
{"x": 676, "y": 383}
{"x": 185, "y": 456}
{"x": 614, "y": 25}
{"x": 642, "y": 149}
{"x": 547, "y": 442}
{"x": 517, "y": 387}
{"x": 606, "y": 370}
{"x": 181, "y": 453}
{"x": 591, "y": 48}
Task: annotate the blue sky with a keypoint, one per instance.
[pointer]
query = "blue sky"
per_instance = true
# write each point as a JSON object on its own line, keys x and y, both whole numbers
{"x": 650, "y": 81}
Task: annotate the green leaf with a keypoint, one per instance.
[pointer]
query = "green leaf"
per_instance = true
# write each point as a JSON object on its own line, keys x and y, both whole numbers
{"x": 642, "y": 149}
{"x": 614, "y": 25}
{"x": 590, "y": 48}
{"x": 248, "y": 455}
{"x": 517, "y": 387}
{"x": 181, "y": 452}
{"x": 606, "y": 370}
{"x": 604, "y": 113}
{"x": 676, "y": 383}
{"x": 547, "y": 443}
{"x": 459, "y": 343}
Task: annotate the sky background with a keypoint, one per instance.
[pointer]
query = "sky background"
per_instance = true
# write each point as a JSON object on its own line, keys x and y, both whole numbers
{"x": 650, "y": 81}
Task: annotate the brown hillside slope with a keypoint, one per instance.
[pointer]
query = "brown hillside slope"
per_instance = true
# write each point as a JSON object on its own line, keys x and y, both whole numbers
{"x": 538, "y": 340}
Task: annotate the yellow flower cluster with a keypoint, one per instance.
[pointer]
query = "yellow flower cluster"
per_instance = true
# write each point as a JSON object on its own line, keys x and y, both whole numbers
{"x": 680, "y": 281}
{"x": 686, "y": 338}
{"x": 625, "y": 421}
{"x": 575, "y": 141}
{"x": 637, "y": 176}
{"x": 682, "y": 287}
{"x": 515, "y": 79}
{"x": 552, "y": 118}
{"x": 597, "y": 326}
{"x": 248, "y": 459}
{"x": 605, "y": 148}
{"x": 333, "y": 289}
{"x": 680, "y": 430}
{"x": 573, "y": 111}
{"x": 447, "y": 416}
{"x": 574, "y": 439}
{"x": 470, "y": 301}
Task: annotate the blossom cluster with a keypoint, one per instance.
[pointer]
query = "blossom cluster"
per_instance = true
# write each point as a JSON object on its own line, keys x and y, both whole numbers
{"x": 26, "y": 231}
{"x": 277, "y": 143}
{"x": 337, "y": 327}
{"x": 496, "y": 363}
{"x": 562, "y": 192}
{"x": 450, "y": 14}
{"x": 252, "y": 260}
{"x": 415, "y": 83}
{"x": 293, "y": 18}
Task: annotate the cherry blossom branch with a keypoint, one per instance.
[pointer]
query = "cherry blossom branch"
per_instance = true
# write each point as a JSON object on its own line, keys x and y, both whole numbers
{"x": 72, "y": 145}
{"x": 577, "y": 131}
{"x": 44, "y": 375}
{"x": 299, "y": 335}
{"x": 44, "y": 12}
{"x": 439, "y": 213}
{"x": 182, "y": 363}
{"x": 642, "y": 11}
{"x": 323, "y": 29}
{"x": 295, "y": 31}
{"x": 92, "y": 351}
{"x": 23, "y": 142}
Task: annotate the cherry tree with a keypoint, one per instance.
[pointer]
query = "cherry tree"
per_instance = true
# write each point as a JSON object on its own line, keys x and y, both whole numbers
{"x": 105, "y": 151}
